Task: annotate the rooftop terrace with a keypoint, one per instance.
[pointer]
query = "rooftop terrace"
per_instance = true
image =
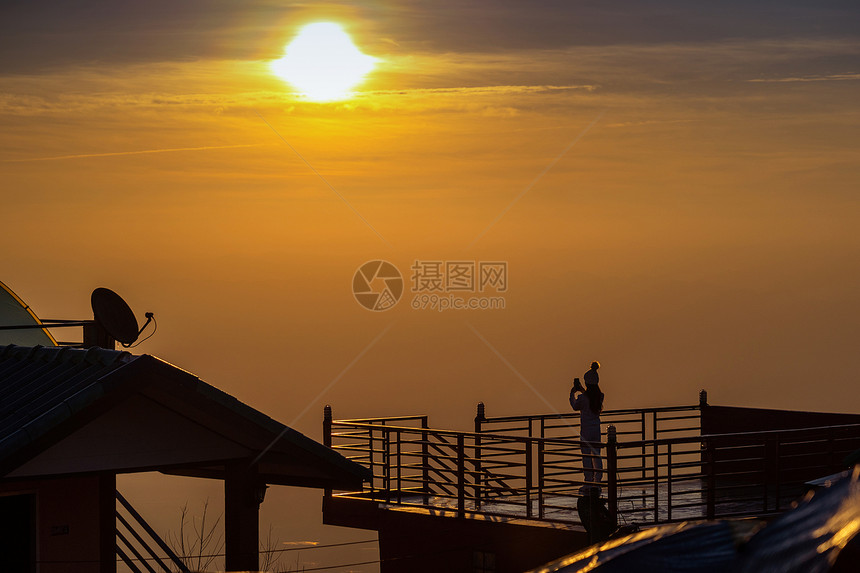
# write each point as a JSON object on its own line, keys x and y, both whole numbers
{"x": 660, "y": 464}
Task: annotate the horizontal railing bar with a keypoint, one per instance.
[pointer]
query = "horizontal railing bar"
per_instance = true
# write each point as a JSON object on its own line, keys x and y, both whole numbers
{"x": 673, "y": 430}
{"x": 565, "y": 481}
{"x": 606, "y": 413}
{"x": 734, "y": 486}
{"x": 358, "y": 435}
{"x": 549, "y": 475}
{"x": 683, "y": 465}
{"x": 498, "y": 451}
{"x": 571, "y": 464}
{"x": 563, "y": 489}
{"x": 518, "y": 444}
{"x": 357, "y": 459}
{"x": 630, "y": 495}
{"x": 369, "y": 420}
{"x": 353, "y": 448}
{"x": 636, "y": 510}
{"x": 696, "y": 504}
{"x": 672, "y": 418}
{"x": 794, "y": 455}
{"x": 660, "y": 441}
{"x": 511, "y": 429}
{"x": 566, "y": 453}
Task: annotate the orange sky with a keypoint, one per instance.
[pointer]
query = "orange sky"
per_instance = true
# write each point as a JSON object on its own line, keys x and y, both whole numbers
{"x": 701, "y": 234}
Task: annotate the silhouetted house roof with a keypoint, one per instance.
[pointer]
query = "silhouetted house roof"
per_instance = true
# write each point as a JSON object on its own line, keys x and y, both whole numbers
{"x": 69, "y": 411}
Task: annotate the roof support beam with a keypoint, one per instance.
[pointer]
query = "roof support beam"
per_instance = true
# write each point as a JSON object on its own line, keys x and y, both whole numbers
{"x": 107, "y": 522}
{"x": 242, "y": 500}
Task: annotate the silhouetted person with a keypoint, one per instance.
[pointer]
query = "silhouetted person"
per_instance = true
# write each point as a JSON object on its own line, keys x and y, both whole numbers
{"x": 589, "y": 404}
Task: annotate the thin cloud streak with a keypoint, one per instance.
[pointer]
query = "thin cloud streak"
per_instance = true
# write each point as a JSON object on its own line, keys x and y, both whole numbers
{"x": 516, "y": 372}
{"x": 324, "y": 180}
{"x": 289, "y": 427}
{"x": 535, "y": 180}
{"x": 496, "y": 89}
{"x": 120, "y": 153}
{"x": 830, "y": 78}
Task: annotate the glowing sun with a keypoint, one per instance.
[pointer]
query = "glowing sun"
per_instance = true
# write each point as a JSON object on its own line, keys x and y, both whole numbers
{"x": 323, "y": 63}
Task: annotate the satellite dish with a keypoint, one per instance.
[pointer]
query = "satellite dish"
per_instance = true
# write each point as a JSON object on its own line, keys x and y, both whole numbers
{"x": 13, "y": 311}
{"x": 115, "y": 316}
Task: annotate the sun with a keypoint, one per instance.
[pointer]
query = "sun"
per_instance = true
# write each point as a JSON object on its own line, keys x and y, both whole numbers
{"x": 323, "y": 63}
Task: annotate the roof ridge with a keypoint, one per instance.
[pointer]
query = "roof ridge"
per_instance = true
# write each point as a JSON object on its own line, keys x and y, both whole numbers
{"x": 93, "y": 355}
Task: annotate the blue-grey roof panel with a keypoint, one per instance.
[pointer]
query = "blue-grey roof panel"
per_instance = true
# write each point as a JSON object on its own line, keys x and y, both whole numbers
{"x": 47, "y": 391}
{"x": 35, "y": 380}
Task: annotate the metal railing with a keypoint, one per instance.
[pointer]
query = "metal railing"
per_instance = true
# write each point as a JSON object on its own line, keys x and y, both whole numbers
{"x": 139, "y": 546}
{"x": 640, "y": 424}
{"x": 657, "y": 467}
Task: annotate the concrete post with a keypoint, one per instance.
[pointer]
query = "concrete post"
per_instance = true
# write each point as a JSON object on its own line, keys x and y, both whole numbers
{"x": 241, "y": 517}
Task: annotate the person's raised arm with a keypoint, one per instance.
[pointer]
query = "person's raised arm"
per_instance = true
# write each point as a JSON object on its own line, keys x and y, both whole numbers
{"x": 577, "y": 387}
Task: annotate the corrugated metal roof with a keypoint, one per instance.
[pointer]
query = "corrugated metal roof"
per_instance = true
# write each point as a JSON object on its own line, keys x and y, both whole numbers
{"x": 39, "y": 384}
{"x": 47, "y": 392}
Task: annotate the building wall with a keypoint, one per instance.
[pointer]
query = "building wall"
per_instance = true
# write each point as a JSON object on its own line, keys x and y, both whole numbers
{"x": 75, "y": 522}
{"x": 730, "y": 419}
{"x": 420, "y": 542}
{"x": 780, "y": 457}
{"x": 423, "y": 544}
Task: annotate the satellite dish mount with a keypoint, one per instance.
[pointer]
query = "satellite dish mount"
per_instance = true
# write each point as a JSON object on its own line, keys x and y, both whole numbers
{"x": 113, "y": 321}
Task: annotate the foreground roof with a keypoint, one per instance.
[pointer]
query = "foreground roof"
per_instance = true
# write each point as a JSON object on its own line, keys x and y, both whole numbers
{"x": 66, "y": 411}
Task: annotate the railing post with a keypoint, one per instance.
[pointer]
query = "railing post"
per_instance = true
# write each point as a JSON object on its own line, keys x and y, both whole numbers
{"x": 529, "y": 476}
{"x": 769, "y": 470}
{"x": 327, "y": 425}
{"x": 710, "y": 461}
{"x": 612, "y": 469}
{"x": 668, "y": 481}
{"x": 703, "y": 403}
{"x": 372, "y": 462}
{"x": 644, "y": 450}
{"x": 461, "y": 475}
{"x": 480, "y": 418}
{"x": 425, "y": 461}
{"x": 777, "y": 491}
{"x": 656, "y": 458}
{"x": 398, "y": 464}
{"x": 540, "y": 468}
{"x": 327, "y": 419}
{"x": 386, "y": 463}
{"x": 656, "y": 477}
{"x": 151, "y": 532}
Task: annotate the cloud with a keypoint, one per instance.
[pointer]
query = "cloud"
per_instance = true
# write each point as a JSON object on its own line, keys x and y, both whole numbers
{"x": 119, "y": 153}
{"x": 650, "y": 122}
{"x": 828, "y": 78}
{"x": 480, "y": 90}
{"x": 301, "y": 543}
{"x": 53, "y": 34}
